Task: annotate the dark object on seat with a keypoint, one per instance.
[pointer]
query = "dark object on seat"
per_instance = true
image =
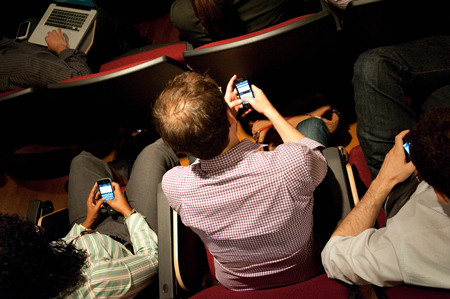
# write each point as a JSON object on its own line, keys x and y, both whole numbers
{"x": 173, "y": 277}
{"x": 37, "y": 209}
{"x": 19, "y": 118}
{"x": 410, "y": 292}
{"x": 55, "y": 223}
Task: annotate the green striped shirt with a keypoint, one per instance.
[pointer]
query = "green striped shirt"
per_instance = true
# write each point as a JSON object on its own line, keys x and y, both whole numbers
{"x": 112, "y": 271}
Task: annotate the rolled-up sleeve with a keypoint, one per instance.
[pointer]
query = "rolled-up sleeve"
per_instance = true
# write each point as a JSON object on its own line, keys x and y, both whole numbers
{"x": 369, "y": 258}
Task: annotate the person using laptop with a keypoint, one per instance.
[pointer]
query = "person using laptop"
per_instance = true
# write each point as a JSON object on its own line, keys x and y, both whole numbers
{"x": 25, "y": 64}
{"x": 28, "y": 65}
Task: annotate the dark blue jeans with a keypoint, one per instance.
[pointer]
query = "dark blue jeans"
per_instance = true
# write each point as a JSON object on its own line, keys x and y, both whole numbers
{"x": 385, "y": 79}
{"x": 314, "y": 128}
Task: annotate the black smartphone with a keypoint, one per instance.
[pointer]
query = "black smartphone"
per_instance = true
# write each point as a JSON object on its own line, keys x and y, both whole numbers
{"x": 406, "y": 148}
{"x": 244, "y": 89}
{"x": 106, "y": 189}
{"x": 22, "y": 32}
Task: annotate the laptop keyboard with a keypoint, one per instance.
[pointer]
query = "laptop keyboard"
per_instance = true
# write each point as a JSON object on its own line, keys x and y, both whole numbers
{"x": 66, "y": 19}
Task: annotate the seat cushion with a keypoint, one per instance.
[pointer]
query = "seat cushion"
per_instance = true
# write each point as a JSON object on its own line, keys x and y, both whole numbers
{"x": 412, "y": 292}
{"x": 148, "y": 53}
{"x": 174, "y": 51}
{"x": 317, "y": 287}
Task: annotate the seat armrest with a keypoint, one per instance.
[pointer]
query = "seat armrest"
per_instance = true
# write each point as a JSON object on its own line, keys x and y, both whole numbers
{"x": 165, "y": 247}
{"x": 38, "y": 209}
{"x": 34, "y": 211}
{"x": 339, "y": 181}
{"x": 56, "y": 224}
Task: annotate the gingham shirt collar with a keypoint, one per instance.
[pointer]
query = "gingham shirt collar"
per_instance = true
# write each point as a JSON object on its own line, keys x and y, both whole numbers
{"x": 231, "y": 157}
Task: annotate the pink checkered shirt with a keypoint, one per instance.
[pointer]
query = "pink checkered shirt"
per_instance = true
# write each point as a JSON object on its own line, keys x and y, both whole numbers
{"x": 253, "y": 210}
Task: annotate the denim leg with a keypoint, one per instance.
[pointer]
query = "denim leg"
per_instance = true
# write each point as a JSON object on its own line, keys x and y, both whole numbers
{"x": 315, "y": 128}
{"x": 383, "y": 80}
{"x": 191, "y": 159}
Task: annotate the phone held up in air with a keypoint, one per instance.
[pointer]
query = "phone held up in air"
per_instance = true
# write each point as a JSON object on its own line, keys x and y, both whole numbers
{"x": 106, "y": 189}
{"x": 406, "y": 148}
{"x": 244, "y": 89}
{"x": 22, "y": 32}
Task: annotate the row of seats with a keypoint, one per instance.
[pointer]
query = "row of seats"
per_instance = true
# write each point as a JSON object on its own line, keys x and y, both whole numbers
{"x": 286, "y": 60}
{"x": 125, "y": 88}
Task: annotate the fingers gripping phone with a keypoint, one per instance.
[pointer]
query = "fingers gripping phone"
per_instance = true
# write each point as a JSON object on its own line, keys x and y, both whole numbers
{"x": 106, "y": 190}
{"x": 244, "y": 89}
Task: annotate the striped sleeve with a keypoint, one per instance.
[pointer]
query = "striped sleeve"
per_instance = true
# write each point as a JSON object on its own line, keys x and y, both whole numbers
{"x": 109, "y": 276}
{"x": 74, "y": 232}
{"x": 131, "y": 274}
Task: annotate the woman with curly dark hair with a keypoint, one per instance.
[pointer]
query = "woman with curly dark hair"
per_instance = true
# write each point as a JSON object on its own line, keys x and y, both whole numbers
{"x": 104, "y": 255}
{"x": 33, "y": 268}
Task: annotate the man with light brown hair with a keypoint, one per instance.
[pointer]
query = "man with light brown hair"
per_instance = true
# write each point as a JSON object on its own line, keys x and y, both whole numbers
{"x": 251, "y": 208}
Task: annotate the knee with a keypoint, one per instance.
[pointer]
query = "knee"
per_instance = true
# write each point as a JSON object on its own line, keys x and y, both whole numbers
{"x": 315, "y": 128}
{"x": 373, "y": 63}
{"x": 364, "y": 66}
{"x": 83, "y": 158}
{"x": 315, "y": 123}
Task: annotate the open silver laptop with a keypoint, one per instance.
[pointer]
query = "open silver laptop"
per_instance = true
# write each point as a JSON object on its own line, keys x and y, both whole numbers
{"x": 74, "y": 17}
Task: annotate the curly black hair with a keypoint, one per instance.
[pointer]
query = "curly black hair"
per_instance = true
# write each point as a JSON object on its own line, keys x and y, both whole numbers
{"x": 430, "y": 143}
{"x": 30, "y": 267}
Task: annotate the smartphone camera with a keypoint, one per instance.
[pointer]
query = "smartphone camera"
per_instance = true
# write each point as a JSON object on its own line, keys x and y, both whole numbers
{"x": 244, "y": 89}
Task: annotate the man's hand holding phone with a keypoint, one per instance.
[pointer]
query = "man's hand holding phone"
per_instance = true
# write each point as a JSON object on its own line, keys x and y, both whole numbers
{"x": 231, "y": 97}
{"x": 395, "y": 169}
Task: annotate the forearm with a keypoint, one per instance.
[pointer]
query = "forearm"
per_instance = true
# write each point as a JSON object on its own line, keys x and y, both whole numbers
{"x": 363, "y": 216}
{"x": 76, "y": 61}
{"x": 286, "y": 131}
{"x": 89, "y": 223}
{"x": 143, "y": 238}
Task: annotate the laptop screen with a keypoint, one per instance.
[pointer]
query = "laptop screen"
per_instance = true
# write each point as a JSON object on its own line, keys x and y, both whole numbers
{"x": 88, "y": 3}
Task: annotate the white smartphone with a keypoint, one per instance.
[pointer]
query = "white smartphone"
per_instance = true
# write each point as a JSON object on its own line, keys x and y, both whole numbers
{"x": 22, "y": 32}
